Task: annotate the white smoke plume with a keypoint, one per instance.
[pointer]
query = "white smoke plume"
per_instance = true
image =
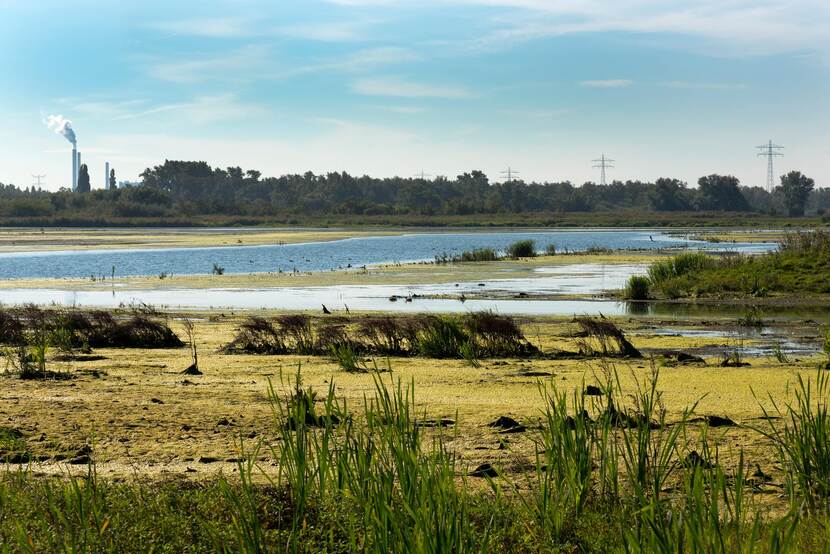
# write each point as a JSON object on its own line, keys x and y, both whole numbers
{"x": 62, "y": 127}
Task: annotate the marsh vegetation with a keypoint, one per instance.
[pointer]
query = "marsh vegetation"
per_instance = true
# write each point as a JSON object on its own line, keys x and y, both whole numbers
{"x": 799, "y": 266}
{"x": 611, "y": 473}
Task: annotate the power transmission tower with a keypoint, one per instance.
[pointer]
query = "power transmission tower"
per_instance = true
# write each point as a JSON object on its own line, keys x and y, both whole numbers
{"x": 422, "y": 176}
{"x": 769, "y": 151}
{"x": 602, "y": 164}
{"x": 38, "y": 180}
{"x": 510, "y": 173}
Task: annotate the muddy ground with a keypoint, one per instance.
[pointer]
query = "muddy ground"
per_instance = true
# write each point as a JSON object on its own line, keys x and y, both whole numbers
{"x": 135, "y": 414}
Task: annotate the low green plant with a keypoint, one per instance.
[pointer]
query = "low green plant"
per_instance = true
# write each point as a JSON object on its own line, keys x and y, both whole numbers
{"x": 637, "y": 288}
{"x": 478, "y": 255}
{"x": 800, "y": 431}
{"x": 752, "y": 318}
{"x": 347, "y": 358}
{"x": 550, "y": 250}
{"x": 521, "y": 249}
{"x": 678, "y": 266}
{"x": 469, "y": 352}
{"x": 780, "y": 355}
{"x": 441, "y": 337}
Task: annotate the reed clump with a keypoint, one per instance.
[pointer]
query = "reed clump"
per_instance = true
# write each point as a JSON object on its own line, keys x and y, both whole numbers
{"x": 77, "y": 330}
{"x": 474, "y": 335}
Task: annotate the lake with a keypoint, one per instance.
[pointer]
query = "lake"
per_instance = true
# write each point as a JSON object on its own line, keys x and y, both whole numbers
{"x": 324, "y": 256}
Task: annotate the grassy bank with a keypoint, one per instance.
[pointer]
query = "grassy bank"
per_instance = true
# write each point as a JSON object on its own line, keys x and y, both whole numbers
{"x": 619, "y": 218}
{"x": 799, "y": 267}
{"x": 611, "y": 473}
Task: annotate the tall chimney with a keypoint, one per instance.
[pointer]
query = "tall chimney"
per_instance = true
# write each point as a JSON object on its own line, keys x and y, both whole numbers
{"x": 107, "y": 176}
{"x": 74, "y": 168}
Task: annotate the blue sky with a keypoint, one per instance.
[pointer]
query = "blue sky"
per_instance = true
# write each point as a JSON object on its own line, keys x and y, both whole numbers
{"x": 393, "y": 87}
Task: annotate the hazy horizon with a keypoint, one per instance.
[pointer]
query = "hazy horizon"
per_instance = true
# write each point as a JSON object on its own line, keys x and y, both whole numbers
{"x": 394, "y": 87}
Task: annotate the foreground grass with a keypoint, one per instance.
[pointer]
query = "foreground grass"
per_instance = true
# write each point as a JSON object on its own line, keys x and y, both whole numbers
{"x": 610, "y": 475}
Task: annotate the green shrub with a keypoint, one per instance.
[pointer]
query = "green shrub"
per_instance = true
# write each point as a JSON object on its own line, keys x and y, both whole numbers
{"x": 478, "y": 255}
{"x": 440, "y": 337}
{"x": 522, "y": 249}
{"x": 637, "y": 288}
{"x": 680, "y": 265}
{"x": 550, "y": 250}
{"x": 347, "y": 358}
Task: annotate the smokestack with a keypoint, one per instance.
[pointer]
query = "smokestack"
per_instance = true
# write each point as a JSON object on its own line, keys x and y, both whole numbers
{"x": 75, "y": 167}
{"x": 64, "y": 128}
{"x": 106, "y": 176}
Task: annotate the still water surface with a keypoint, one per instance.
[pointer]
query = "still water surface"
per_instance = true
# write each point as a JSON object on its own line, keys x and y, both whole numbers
{"x": 323, "y": 256}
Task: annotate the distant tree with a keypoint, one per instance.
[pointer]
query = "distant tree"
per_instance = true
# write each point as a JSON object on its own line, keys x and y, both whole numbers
{"x": 721, "y": 193}
{"x": 796, "y": 189}
{"x": 83, "y": 179}
{"x": 112, "y": 183}
{"x": 670, "y": 195}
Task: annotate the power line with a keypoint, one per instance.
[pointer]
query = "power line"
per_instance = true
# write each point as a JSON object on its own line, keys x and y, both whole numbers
{"x": 769, "y": 151}
{"x": 510, "y": 173}
{"x": 602, "y": 164}
{"x": 422, "y": 176}
{"x": 38, "y": 180}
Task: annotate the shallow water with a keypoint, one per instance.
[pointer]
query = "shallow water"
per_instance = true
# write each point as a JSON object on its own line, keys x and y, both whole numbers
{"x": 765, "y": 340}
{"x": 324, "y": 256}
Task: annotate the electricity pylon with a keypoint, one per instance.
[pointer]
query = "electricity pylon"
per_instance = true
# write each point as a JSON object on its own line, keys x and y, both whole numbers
{"x": 510, "y": 173}
{"x": 38, "y": 179}
{"x": 769, "y": 151}
{"x": 602, "y": 164}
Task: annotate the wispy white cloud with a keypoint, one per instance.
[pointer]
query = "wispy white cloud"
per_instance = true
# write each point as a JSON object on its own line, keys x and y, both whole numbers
{"x": 207, "y": 109}
{"x": 209, "y": 27}
{"x": 537, "y": 114}
{"x": 737, "y": 27}
{"x": 399, "y": 87}
{"x": 407, "y": 110}
{"x": 375, "y": 57}
{"x": 703, "y": 86}
{"x": 607, "y": 83}
{"x": 200, "y": 109}
{"x": 328, "y": 31}
{"x": 260, "y": 63}
{"x": 238, "y": 65}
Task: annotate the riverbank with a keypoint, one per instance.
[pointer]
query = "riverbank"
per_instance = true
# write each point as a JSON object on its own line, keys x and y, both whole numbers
{"x": 418, "y": 273}
{"x": 48, "y": 239}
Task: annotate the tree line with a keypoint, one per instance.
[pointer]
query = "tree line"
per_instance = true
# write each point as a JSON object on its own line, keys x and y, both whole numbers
{"x": 185, "y": 189}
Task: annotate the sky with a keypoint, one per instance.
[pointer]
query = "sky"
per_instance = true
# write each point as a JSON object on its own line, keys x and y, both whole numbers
{"x": 399, "y": 87}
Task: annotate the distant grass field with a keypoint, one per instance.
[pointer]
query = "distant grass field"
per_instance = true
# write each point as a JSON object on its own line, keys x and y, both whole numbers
{"x": 617, "y": 218}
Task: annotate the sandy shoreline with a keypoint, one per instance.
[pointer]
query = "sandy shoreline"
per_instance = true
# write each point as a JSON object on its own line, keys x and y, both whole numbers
{"x": 390, "y": 274}
{"x": 52, "y": 239}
